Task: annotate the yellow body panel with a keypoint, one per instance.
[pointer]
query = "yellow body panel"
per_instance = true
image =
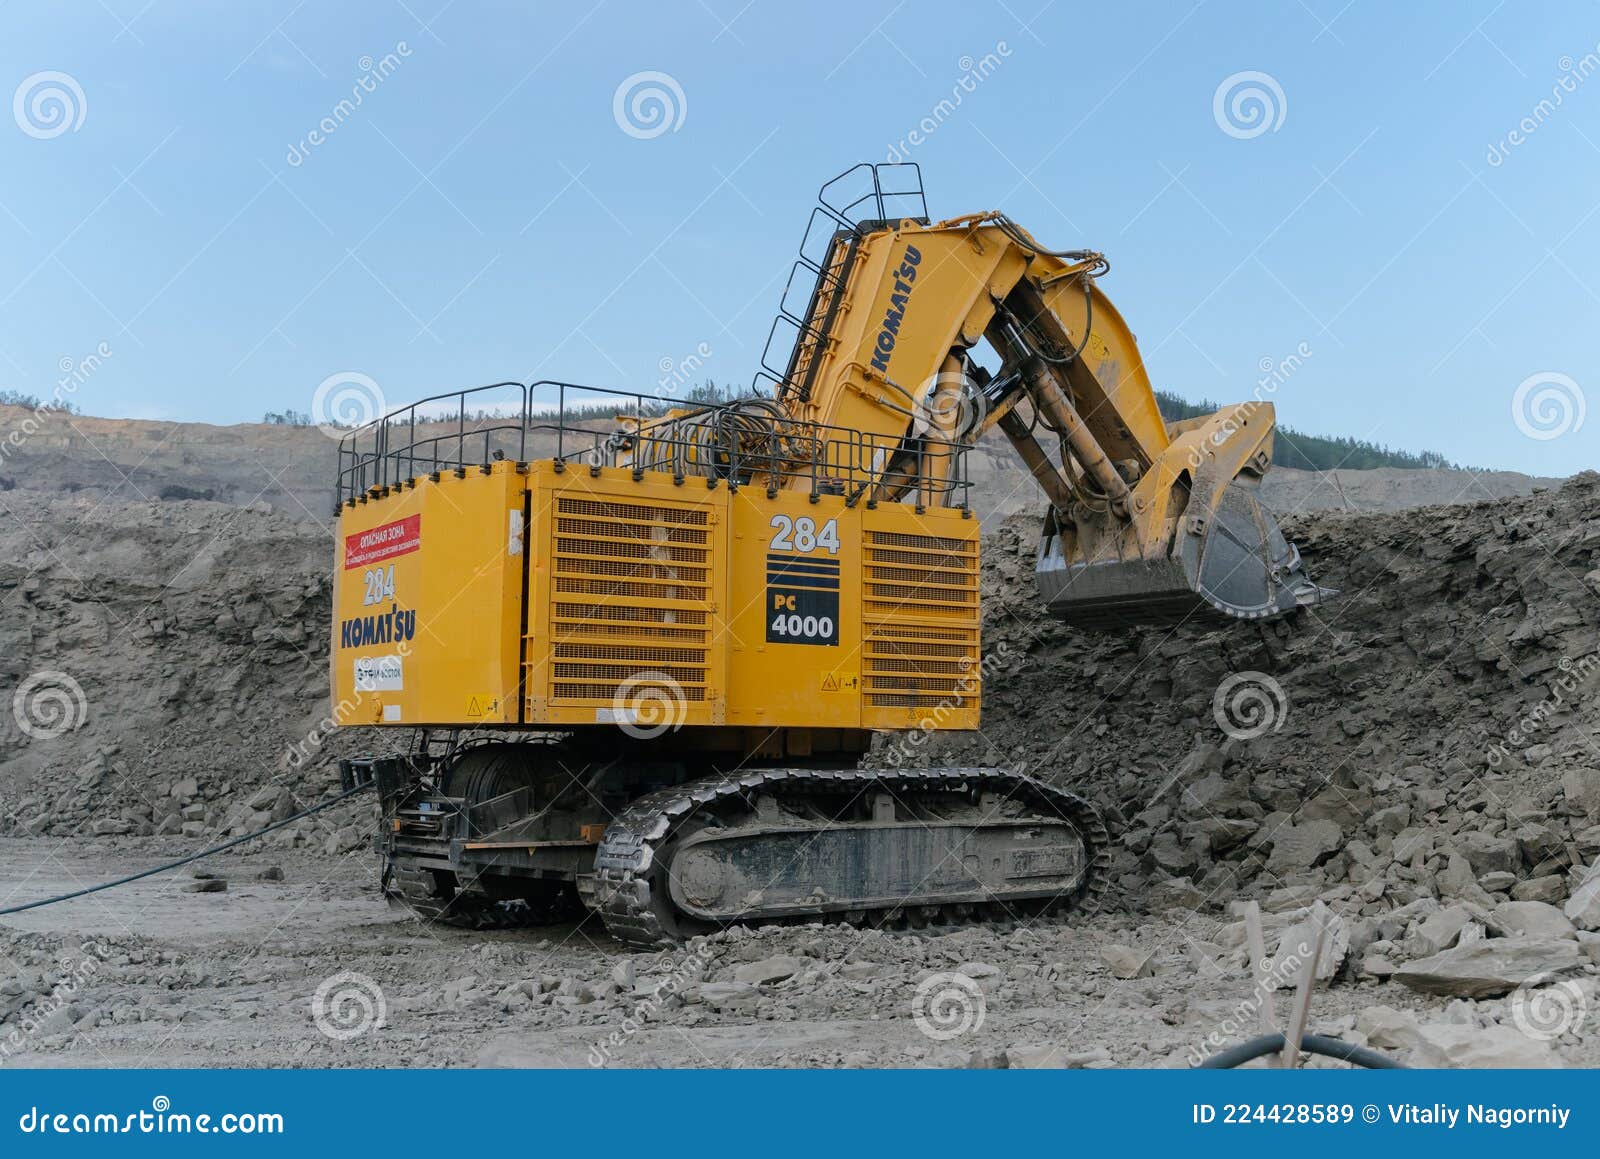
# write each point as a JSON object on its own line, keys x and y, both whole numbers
{"x": 651, "y": 605}
{"x": 427, "y": 600}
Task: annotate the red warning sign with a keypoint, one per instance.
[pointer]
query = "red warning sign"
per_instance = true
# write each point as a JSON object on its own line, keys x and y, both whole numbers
{"x": 386, "y": 541}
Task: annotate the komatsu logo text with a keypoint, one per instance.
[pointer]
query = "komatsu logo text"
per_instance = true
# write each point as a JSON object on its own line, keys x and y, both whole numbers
{"x": 393, "y": 626}
{"x": 905, "y": 278}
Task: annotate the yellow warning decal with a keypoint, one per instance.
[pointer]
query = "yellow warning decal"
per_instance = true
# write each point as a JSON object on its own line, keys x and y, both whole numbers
{"x": 840, "y": 681}
{"x": 482, "y": 705}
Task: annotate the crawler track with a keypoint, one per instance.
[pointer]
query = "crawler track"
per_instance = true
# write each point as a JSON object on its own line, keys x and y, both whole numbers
{"x": 628, "y": 889}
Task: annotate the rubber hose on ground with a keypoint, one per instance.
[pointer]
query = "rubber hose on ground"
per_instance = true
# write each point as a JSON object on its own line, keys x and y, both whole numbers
{"x": 1312, "y": 1044}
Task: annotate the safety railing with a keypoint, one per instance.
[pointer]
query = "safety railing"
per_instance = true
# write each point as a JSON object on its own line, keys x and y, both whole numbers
{"x": 438, "y": 433}
{"x": 747, "y": 442}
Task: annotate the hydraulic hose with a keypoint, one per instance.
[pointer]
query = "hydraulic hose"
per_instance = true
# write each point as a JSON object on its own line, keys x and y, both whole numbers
{"x": 1088, "y": 325}
{"x": 229, "y": 844}
{"x": 1021, "y": 236}
{"x": 1312, "y": 1044}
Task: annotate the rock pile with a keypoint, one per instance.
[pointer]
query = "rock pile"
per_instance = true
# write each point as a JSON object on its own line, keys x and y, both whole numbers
{"x": 184, "y": 648}
{"x": 1431, "y": 733}
{"x": 1422, "y": 754}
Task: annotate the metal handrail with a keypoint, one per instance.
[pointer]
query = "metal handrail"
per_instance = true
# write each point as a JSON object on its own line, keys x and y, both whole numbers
{"x": 840, "y": 219}
{"x": 362, "y": 469}
{"x": 742, "y": 443}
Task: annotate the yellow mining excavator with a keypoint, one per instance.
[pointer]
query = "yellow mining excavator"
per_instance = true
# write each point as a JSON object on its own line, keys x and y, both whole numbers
{"x": 644, "y": 648}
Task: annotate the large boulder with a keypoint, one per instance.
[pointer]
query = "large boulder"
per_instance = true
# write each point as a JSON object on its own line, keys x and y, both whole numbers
{"x": 1581, "y": 788}
{"x": 1389, "y": 1029}
{"x": 1127, "y": 962}
{"x": 1296, "y": 944}
{"x": 1490, "y": 968}
{"x": 769, "y": 970}
{"x": 1551, "y": 888}
{"x": 1583, "y": 907}
{"x": 1458, "y": 880}
{"x": 1439, "y": 930}
{"x": 1531, "y": 919}
{"x": 1490, "y": 853}
{"x": 1449, "y": 1044}
{"x": 1297, "y": 847}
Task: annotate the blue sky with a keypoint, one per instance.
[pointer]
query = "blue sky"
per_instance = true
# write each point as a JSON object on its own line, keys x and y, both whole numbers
{"x": 483, "y": 214}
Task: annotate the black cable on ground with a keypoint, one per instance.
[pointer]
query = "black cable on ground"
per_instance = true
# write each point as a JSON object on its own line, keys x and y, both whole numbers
{"x": 229, "y": 844}
{"x": 1311, "y": 1044}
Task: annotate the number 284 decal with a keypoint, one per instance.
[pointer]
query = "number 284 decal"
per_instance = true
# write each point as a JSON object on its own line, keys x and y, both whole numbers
{"x": 803, "y": 582}
{"x": 803, "y": 535}
{"x": 380, "y": 585}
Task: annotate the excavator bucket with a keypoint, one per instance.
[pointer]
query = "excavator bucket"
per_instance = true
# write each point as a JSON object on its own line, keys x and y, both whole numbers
{"x": 1190, "y": 537}
{"x": 1233, "y": 562}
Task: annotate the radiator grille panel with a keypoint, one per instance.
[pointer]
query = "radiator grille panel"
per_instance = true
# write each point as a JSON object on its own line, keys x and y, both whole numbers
{"x": 642, "y": 572}
{"x": 920, "y": 618}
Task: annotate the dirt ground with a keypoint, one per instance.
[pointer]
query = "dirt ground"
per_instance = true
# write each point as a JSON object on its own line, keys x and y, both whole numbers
{"x": 231, "y": 979}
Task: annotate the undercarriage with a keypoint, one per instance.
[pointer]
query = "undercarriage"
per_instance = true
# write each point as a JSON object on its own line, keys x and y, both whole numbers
{"x": 666, "y": 841}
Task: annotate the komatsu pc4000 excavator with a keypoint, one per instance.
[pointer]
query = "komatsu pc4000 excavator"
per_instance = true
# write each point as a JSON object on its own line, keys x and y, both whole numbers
{"x": 644, "y": 649}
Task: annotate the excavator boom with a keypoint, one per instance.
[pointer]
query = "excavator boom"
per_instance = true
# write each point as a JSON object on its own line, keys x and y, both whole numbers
{"x": 1148, "y": 521}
